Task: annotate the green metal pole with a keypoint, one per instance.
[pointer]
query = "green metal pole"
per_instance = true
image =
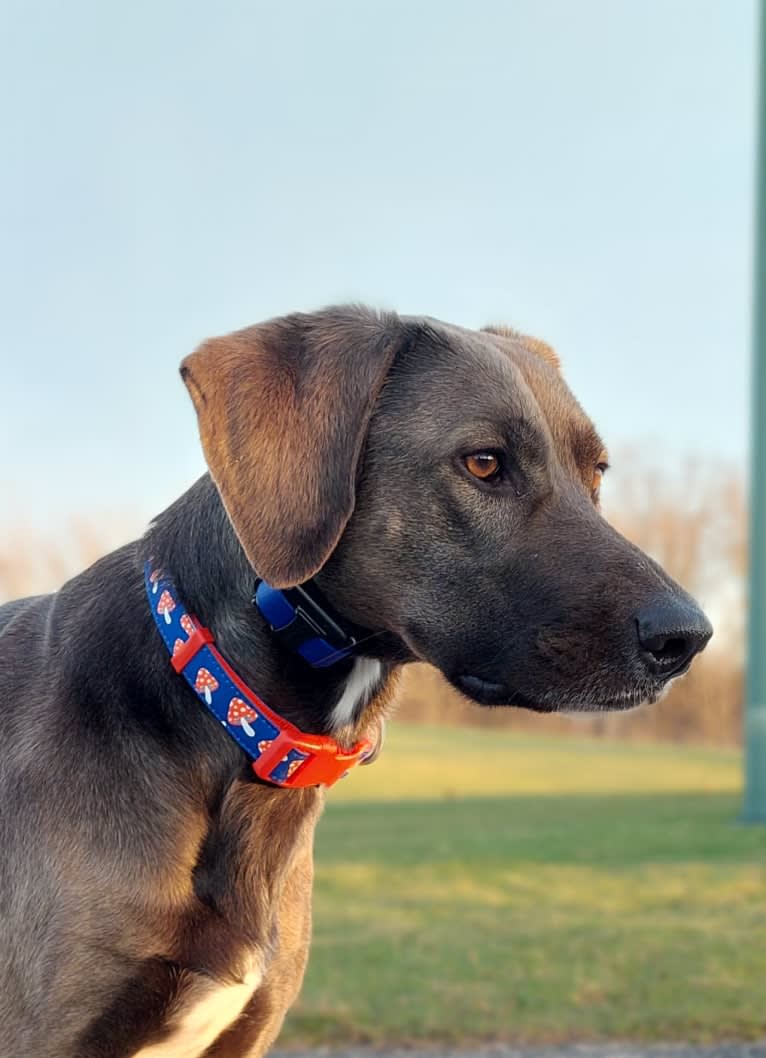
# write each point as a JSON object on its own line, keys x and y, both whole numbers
{"x": 754, "y": 810}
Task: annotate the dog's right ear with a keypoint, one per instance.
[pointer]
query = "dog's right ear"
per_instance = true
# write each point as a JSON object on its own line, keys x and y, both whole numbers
{"x": 283, "y": 411}
{"x": 535, "y": 345}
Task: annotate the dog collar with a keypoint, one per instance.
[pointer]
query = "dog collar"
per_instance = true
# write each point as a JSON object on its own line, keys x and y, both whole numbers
{"x": 301, "y": 619}
{"x": 281, "y": 753}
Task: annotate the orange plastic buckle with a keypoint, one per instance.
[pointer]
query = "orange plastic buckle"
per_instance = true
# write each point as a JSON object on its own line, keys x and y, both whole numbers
{"x": 199, "y": 638}
{"x": 325, "y": 764}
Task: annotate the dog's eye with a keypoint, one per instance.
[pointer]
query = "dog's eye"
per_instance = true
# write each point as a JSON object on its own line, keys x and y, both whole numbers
{"x": 483, "y": 465}
{"x": 598, "y": 475}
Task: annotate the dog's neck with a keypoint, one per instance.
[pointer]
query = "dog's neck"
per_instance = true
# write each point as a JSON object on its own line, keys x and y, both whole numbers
{"x": 193, "y": 541}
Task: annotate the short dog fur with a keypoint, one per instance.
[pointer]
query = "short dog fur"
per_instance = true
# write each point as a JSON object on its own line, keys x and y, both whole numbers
{"x": 154, "y": 896}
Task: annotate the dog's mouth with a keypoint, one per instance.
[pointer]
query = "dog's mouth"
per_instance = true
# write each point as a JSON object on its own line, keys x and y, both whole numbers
{"x": 487, "y": 692}
{"x": 583, "y": 695}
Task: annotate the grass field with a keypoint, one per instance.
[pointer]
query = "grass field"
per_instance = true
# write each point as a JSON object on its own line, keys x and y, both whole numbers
{"x": 475, "y": 885}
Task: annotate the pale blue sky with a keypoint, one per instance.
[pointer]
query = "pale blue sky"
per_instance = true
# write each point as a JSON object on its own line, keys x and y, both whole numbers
{"x": 578, "y": 168}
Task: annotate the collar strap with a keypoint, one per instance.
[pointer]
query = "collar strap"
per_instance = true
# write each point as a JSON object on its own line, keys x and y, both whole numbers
{"x": 302, "y": 621}
{"x": 281, "y": 753}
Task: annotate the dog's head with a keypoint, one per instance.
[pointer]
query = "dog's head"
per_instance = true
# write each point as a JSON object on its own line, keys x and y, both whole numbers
{"x": 442, "y": 485}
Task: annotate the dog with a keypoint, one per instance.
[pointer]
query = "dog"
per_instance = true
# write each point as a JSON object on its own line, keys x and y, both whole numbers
{"x": 430, "y": 493}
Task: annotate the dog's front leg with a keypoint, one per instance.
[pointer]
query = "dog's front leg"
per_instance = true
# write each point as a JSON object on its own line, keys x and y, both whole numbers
{"x": 255, "y": 1030}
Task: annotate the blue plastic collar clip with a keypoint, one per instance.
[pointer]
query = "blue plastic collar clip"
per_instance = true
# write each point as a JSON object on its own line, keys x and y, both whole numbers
{"x": 303, "y": 623}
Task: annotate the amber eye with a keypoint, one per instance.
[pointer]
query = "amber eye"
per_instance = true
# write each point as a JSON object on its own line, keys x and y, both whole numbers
{"x": 483, "y": 465}
{"x": 598, "y": 475}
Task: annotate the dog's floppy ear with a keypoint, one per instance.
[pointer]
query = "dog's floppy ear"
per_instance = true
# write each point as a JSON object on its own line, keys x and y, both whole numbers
{"x": 283, "y": 411}
{"x": 535, "y": 345}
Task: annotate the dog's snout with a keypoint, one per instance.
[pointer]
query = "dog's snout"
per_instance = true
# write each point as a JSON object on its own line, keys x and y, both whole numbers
{"x": 670, "y": 633}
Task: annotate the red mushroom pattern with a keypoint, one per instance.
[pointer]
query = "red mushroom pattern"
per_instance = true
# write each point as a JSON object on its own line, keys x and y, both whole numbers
{"x": 166, "y": 605}
{"x": 155, "y": 580}
{"x": 187, "y": 624}
{"x": 241, "y": 713}
{"x": 177, "y": 646}
{"x": 264, "y": 744}
{"x": 205, "y": 684}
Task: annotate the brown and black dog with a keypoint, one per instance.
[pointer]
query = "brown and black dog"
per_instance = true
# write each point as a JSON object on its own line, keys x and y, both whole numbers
{"x": 441, "y": 487}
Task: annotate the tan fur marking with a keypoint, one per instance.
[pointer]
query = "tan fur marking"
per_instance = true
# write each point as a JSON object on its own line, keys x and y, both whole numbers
{"x": 535, "y": 345}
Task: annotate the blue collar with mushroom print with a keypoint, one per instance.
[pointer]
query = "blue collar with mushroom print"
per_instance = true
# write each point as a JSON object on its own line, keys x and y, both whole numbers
{"x": 281, "y": 753}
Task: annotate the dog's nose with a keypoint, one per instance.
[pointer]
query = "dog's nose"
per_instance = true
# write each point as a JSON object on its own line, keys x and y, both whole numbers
{"x": 670, "y": 633}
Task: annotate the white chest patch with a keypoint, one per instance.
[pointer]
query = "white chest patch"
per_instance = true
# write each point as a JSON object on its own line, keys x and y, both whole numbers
{"x": 204, "y": 1010}
{"x": 362, "y": 680}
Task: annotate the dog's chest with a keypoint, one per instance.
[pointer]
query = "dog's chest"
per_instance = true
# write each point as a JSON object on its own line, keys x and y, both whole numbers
{"x": 204, "y": 1009}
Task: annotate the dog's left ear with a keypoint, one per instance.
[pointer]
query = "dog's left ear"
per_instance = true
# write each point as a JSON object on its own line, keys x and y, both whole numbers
{"x": 283, "y": 411}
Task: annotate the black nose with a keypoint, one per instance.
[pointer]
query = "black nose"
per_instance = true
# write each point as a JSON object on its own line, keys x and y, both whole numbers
{"x": 670, "y": 633}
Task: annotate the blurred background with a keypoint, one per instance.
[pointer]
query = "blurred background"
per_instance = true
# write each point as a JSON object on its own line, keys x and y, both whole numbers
{"x": 583, "y": 171}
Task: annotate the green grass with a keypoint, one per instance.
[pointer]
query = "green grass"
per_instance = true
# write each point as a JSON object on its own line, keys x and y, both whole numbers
{"x": 475, "y": 885}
